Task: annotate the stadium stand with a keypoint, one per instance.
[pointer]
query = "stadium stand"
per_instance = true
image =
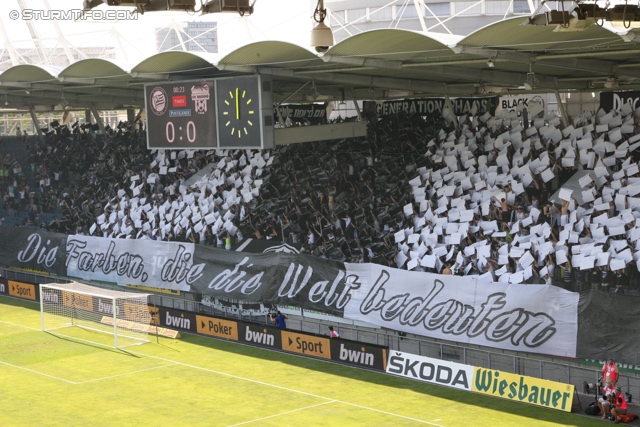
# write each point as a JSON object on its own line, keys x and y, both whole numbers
{"x": 533, "y": 202}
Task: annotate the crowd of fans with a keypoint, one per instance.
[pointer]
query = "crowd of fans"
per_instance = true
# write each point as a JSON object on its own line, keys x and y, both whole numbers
{"x": 418, "y": 193}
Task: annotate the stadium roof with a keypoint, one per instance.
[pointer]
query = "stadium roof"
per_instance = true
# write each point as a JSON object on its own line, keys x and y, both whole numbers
{"x": 378, "y": 64}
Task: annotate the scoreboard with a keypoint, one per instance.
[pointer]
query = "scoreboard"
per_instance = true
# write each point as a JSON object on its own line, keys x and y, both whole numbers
{"x": 233, "y": 112}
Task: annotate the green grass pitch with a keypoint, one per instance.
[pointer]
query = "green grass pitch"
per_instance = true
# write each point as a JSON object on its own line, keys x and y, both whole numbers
{"x": 194, "y": 381}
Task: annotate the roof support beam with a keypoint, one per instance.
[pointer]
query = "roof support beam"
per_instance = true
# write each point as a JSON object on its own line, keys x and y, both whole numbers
{"x": 95, "y": 81}
{"x": 416, "y": 4}
{"x": 493, "y": 76}
{"x": 56, "y": 90}
{"x": 36, "y": 125}
{"x": 447, "y": 101}
{"x": 34, "y": 33}
{"x": 582, "y": 61}
{"x": 87, "y": 87}
{"x": 16, "y": 84}
{"x": 363, "y": 61}
{"x": 97, "y": 117}
{"x": 587, "y": 54}
{"x": 178, "y": 30}
{"x": 53, "y": 98}
{"x": 105, "y": 91}
{"x": 237, "y": 68}
{"x": 81, "y": 80}
{"x": 7, "y": 42}
{"x": 355, "y": 104}
{"x": 61, "y": 38}
{"x": 151, "y": 76}
{"x": 495, "y": 53}
{"x": 563, "y": 113}
{"x": 590, "y": 65}
{"x": 366, "y": 81}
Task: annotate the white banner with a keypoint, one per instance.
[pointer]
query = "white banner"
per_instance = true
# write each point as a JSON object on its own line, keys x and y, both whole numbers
{"x": 529, "y": 318}
{"x": 132, "y": 262}
{"x": 434, "y": 371}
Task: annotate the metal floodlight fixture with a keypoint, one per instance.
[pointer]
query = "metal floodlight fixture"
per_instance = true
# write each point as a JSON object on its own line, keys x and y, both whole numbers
{"x": 611, "y": 82}
{"x": 63, "y": 102}
{"x": 321, "y": 35}
{"x": 342, "y": 103}
{"x": 242, "y": 7}
{"x": 314, "y": 92}
{"x": 594, "y": 11}
{"x": 579, "y": 18}
{"x": 155, "y": 5}
{"x": 531, "y": 81}
{"x": 491, "y": 63}
{"x": 624, "y": 16}
{"x": 583, "y": 15}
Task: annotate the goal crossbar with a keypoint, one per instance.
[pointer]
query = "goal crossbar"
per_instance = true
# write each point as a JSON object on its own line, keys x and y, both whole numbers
{"x": 111, "y": 294}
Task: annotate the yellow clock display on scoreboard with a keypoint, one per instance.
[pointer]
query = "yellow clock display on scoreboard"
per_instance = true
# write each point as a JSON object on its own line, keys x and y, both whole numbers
{"x": 239, "y": 113}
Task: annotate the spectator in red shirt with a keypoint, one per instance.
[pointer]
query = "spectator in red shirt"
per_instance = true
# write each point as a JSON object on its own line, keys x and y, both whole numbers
{"x": 610, "y": 372}
{"x": 620, "y": 407}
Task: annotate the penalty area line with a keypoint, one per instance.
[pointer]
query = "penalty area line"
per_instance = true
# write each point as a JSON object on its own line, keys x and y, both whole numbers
{"x": 21, "y": 326}
{"x": 125, "y": 373}
{"x": 38, "y": 372}
{"x": 289, "y": 389}
{"x": 283, "y": 413}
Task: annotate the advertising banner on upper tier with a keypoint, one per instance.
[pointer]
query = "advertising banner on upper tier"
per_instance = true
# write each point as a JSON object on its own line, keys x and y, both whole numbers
{"x": 615, "y": 100}
{"x": 431, "y": 106}
{"x": 531, "y": 318}
{"x": 303, "y": 113}
{"x": 534, "y": 103}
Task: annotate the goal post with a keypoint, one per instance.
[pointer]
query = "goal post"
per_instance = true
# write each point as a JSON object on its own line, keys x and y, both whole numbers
{"x": 123, "y": 315}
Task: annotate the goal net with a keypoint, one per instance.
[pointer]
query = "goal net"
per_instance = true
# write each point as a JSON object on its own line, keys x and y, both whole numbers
{"x": 123, "y": 315}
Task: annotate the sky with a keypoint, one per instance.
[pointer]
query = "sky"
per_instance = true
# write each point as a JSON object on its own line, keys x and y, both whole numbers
{"x": 134, "y": 39}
